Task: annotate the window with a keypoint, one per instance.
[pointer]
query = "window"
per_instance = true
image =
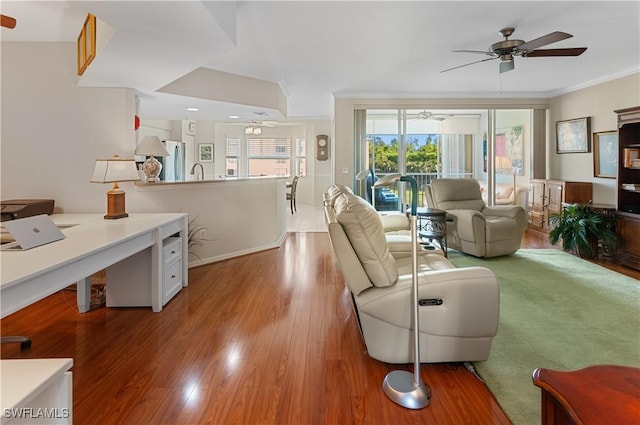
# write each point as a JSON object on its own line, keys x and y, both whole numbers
{"x": 232, "y": 157}
{"x": 301, "y": 156}
{"x": 269, "y": 157}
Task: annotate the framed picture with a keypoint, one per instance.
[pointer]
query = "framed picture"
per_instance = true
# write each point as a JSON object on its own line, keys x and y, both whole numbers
{"x": 86, "y": 46}
{"x": 509, "y": 151}
{"x": 205, "y": 152}
{"x": 572, "y": 136}
{"x": 605, "y": 154}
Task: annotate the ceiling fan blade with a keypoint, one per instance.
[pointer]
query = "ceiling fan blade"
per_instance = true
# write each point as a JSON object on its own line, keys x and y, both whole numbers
{"x": 544, "y": 40}
{"x": 467, "y": 64}
{"x": 490, "y": 53}
{"x": 576, "y": 51}
{"x": 7, "y": 21}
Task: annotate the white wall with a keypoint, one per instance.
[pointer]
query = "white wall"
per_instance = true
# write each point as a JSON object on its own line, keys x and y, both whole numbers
{"x": 597, "y": 102}
{"x": 52, "y": 131}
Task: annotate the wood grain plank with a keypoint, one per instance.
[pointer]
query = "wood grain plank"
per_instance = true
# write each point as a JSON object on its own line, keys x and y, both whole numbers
{"x": 267, "y": 338}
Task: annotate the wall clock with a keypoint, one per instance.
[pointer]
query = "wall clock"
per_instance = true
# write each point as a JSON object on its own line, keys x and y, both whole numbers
{"x": 322, "y": 147}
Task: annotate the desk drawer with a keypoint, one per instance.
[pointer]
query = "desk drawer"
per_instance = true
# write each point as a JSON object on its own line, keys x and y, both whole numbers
{"x": 172, "y": 280}
{"x": 172, "y": 250}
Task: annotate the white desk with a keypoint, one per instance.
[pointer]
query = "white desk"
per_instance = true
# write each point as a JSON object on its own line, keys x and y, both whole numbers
{"x": 90, "y": 245}
{"x": 36, "y": 391}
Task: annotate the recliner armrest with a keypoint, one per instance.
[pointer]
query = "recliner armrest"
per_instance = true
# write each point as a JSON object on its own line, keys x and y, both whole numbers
{"x": 392, "y": 222}
{"x": 468, "y": 225}
{"x": 511, "y": 211}
{"x": 514, "y": 212}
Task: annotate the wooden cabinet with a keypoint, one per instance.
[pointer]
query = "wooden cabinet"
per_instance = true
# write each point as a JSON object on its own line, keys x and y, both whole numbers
{"x": 628, "y": 215}
{"x": 547, "y": 196}
{"x": 537, "y": 204}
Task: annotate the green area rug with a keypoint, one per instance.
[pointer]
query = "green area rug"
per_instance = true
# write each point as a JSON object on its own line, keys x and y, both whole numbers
{"x": 559, "y": 312}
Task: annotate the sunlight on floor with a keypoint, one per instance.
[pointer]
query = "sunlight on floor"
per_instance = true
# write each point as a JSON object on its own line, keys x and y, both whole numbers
{"x": 306, "y": 219}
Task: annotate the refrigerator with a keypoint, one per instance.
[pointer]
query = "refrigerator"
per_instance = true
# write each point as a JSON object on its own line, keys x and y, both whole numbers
{"x": 173, "y": 166}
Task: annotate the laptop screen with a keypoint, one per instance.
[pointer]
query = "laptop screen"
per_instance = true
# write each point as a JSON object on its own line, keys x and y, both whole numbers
{"x": 33, "y": 231}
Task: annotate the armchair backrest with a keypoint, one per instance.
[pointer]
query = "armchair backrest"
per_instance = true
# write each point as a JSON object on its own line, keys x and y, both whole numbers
{"x": 456, "y": 194}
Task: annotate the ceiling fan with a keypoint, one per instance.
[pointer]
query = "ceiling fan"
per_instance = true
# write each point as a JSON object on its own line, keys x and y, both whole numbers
{"x": 254, "y": 127}
{"x": 506, "y": 49}
{"x": 427, "y": 115}
{"x": 7, "y": 21}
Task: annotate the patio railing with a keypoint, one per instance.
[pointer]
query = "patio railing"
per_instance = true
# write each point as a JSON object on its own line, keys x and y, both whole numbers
{"x": 421, "y": 180}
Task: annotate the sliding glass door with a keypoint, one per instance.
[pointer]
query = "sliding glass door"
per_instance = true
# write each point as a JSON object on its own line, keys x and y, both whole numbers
{"x": 414, "y": 142}
{"x": 488, "y": 145}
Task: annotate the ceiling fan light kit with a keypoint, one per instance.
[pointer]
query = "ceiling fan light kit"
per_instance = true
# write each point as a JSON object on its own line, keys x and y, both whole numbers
{"x": 506, "y": 49}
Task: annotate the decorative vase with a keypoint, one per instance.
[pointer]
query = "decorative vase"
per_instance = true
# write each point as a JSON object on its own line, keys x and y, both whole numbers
{"x": 152, "y": 168}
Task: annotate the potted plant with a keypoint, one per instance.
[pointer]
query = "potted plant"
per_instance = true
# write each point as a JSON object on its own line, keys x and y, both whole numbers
{"x": 581, "y": 229}
{"x": 195, "y": 236}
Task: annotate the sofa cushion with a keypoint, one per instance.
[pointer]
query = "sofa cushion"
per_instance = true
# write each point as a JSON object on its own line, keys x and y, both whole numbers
{"x": 363, "y": 226}
{"x": 503, "y": 191}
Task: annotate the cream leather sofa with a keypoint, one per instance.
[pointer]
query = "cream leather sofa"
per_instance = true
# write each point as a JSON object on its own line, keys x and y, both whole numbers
{"x": 462, "y": 319}
{"x": 472, "y": 226}
{"x": 505, "y": 195}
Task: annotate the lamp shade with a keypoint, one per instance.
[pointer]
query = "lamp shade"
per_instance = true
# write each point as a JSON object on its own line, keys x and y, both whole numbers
{"x": 151, "y": 145}
{"x": 115, "y": 170}
{"x": 504, "y": 165}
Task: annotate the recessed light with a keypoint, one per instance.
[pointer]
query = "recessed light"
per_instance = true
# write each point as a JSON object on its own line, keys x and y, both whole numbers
{"x": 234, "y": 117}
{"x": 190, "y": 109}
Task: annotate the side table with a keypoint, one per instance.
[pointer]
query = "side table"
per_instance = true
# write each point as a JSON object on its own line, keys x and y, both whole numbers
{"x": 432, "y": 224}
{"x": 602, "y": 394}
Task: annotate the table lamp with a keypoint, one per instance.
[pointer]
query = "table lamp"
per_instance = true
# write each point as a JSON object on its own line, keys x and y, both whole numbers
{"x": 151, "y": 146}
{"x": 115, "y": 170}
{"x": 400, "y": 385}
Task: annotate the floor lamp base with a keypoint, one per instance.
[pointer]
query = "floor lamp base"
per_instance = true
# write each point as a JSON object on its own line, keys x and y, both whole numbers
{"x": 401, "y": 388}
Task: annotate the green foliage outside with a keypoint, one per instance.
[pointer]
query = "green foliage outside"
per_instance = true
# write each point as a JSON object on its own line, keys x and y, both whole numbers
{"x": 421, "y": 158}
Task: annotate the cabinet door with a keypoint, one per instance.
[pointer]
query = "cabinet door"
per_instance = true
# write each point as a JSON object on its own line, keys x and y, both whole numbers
{"x": 629, "y": 244}
{"x": 555, "y": 197}
{"x": 536, "y": 195}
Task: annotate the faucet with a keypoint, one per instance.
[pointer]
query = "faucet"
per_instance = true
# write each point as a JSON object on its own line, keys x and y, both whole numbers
{"x": 193, "y": 170}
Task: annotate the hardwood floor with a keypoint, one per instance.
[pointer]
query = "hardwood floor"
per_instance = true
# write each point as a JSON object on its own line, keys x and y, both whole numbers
{"x": 267, "y": 338}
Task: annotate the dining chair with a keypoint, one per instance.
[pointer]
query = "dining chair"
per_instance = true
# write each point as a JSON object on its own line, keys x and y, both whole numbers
{"x": 291, "y": 195}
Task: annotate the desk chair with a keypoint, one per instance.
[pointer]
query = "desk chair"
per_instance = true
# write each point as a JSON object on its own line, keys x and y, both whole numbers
{"x": 291, "y": 195}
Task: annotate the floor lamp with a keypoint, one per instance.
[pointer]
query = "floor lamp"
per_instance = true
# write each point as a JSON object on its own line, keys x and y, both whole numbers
{"x": 361, "y": 176}
{"x": 401, "y": 386}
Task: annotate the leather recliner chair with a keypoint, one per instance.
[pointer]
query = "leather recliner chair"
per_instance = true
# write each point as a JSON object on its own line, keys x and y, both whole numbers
{"x": 459, "y": 326}
{"x": 472, "y": 226}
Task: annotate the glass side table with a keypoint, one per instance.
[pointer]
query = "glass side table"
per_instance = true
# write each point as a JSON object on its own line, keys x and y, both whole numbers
{"x": 432, "y": 225}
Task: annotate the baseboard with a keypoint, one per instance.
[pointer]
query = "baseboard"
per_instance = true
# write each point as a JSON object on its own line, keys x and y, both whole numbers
{"x": 209, "y": 260}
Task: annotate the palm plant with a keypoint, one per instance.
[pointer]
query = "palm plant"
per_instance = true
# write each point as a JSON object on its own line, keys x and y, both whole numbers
{"x": 195, "y": 237}
{"x": 581, "y": 228}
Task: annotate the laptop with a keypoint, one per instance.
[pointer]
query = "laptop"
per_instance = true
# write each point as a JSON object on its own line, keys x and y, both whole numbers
{"x": 30, "y": 232}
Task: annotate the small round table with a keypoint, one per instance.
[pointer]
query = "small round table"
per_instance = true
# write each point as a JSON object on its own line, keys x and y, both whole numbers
{"x": 432, "y": 224}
